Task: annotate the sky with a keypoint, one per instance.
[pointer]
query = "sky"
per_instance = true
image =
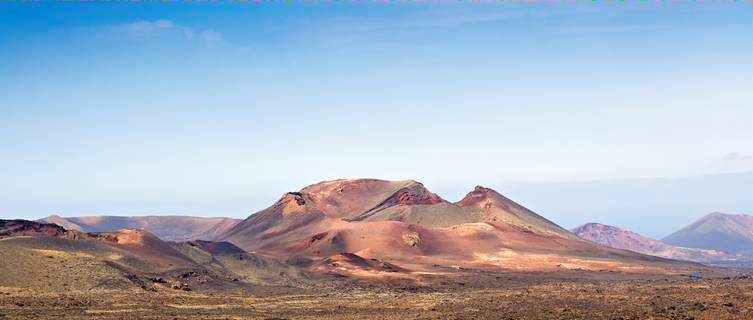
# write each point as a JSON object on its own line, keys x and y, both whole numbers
{"x": 217, "y": 108}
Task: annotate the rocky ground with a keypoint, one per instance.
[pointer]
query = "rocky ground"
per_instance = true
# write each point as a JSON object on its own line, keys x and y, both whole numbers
{"x": 507, "y": 298}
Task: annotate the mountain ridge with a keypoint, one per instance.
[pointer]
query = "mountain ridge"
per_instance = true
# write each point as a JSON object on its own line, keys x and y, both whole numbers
{"x": 616, "y": 237}
{"x": 169, "y": 227}
{"x": 717, "y": 230}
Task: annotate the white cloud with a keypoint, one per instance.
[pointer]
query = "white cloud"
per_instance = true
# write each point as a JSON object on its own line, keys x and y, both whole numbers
{"x": 149, "y": 26}
{"x": 210, "y": 37}
{"x": 166, "y": 28}
{"x": 737, "y": 161}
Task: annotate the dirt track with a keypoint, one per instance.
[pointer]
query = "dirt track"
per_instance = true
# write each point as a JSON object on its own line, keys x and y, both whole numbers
{"x": 550, "y": 299}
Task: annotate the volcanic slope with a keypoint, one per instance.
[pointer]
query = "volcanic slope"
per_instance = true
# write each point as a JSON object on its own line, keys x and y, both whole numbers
{"x": 402, "y": 224}
{"x": 169, "y": 228}
{"x": 615, "y": 237}
{"x": 47, "y": 257}
{"x": 717, "y": 231}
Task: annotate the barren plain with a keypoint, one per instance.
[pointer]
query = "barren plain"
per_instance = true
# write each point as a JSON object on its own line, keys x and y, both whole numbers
{"x": 509, "y": 297}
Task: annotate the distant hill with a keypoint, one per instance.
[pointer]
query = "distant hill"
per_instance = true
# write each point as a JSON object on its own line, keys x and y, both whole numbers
{"x": 719, "y": 231}
{"x": 631, "y": 203}
{"x": 623, "y": 239}
{"x": 169, "y": 228}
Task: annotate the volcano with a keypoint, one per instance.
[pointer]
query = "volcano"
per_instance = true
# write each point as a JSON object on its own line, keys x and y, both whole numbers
{"x": 405, "y": 225}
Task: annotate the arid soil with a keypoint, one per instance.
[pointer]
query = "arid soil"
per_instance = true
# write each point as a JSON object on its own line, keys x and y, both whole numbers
{"x": 514, "y": 298}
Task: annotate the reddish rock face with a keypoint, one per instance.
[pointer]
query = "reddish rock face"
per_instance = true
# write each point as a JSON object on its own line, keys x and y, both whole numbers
{"x": 478, "y": 195}
{"x": 412, "y": 195}
{"x": 350, "y": 197}
{"x": 408, "y": 197}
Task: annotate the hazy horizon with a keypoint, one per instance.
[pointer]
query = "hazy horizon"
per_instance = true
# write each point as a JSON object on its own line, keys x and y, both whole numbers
{"x": 580, "y": 111}
{"x": 681, "y": 200}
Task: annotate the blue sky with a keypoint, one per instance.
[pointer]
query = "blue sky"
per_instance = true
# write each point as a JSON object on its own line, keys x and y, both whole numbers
{"x": 217, "y": 108}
